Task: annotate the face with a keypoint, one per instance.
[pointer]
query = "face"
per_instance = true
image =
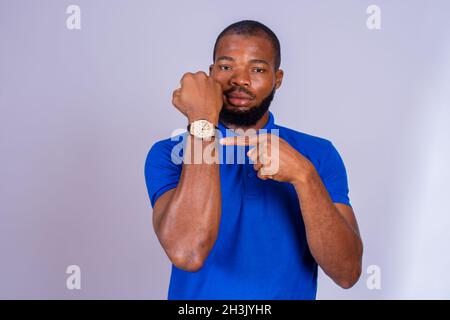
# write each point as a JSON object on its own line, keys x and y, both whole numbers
{"x": 245, "y": 67}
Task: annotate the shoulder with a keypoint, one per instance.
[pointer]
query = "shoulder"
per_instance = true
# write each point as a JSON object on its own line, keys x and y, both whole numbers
{"x": 317, "y": 149}
{"x": 305, "y": 142}
{"x": 167, "y": 149}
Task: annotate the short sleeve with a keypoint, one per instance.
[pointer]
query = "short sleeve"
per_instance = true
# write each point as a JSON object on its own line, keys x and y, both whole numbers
{"x": 161, "y": 172}
{"x": 334, "y": 176}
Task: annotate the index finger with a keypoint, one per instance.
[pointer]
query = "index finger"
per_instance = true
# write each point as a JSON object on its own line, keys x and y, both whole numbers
{"x": 240, "y": 141}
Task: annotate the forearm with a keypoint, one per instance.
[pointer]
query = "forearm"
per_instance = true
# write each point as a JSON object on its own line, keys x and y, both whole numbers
{"x": 191, "y": 221}
{"x": 334, "y": 244}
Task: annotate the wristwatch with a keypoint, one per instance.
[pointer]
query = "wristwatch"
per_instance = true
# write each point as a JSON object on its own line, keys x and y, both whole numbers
{"x": 202, "y": 129}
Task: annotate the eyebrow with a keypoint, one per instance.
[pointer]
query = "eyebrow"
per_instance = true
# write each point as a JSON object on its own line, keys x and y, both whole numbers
{"x": 259, "y": 61}
{"x": 252, "y": 60}
{"x": 225, "y": 58}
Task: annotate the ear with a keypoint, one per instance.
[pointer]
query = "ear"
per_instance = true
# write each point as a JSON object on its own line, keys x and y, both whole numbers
{"x": 278, "y": 78}
{"x": 211, "y": 69}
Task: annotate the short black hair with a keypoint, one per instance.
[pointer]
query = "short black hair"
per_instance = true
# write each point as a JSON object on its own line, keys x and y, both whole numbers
{"x": 252, "y": 28}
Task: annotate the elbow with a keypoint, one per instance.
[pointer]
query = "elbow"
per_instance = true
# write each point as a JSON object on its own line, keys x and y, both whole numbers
{"x": 352, "y": 271}
{"x": 351, "y": 277}
{"x": 188, "y": 262}
{"x": 189, "y": 258}
{"x": 347, "y": 283}
{"x": 188, "y": 254}
{"x": 184, "y": 258}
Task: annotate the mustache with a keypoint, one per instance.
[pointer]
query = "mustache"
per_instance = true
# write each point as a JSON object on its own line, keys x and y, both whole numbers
{"x": 238, "y": 89}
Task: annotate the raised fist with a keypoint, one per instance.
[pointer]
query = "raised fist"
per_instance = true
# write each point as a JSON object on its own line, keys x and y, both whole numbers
{"x": 200, "y": 97}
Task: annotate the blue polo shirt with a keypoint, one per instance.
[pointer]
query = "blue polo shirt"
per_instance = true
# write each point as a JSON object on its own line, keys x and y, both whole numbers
{"x": 261, "y": 250}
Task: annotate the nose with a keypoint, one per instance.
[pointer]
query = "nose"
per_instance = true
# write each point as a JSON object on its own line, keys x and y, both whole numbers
{"x": 240, "y": 78}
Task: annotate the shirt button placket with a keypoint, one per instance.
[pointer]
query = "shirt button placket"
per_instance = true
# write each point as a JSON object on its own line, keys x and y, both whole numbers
{"x": 252, "y": 183}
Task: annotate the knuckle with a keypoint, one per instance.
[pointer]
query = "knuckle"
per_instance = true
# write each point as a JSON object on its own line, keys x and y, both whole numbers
{"x": 187, "y": 75}
{"x": 201, "y": 74}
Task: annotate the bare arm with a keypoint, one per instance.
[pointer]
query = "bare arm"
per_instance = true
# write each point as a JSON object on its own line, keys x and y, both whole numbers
{"x": 331, "y": 231}
{"x": 186, "y": 219}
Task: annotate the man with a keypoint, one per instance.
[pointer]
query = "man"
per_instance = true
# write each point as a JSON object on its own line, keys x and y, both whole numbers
{"x": 241, "y": 230}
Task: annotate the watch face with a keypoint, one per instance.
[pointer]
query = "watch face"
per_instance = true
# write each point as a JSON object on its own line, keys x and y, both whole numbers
{"x": 202, "y": 129}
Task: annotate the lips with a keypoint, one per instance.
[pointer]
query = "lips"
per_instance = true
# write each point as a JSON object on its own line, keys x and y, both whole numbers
{"x": 239, "y": 99}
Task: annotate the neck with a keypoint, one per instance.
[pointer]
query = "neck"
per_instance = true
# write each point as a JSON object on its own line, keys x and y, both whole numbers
{"x": 258, "y": 125}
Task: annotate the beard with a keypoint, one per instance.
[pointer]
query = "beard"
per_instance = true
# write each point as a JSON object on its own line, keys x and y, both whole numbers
{"x": 248, "y": 117}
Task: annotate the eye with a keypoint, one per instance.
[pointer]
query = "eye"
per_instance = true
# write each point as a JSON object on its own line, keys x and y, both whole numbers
{"x": 224, "y": 67}
{"x": 259, "y": 70}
